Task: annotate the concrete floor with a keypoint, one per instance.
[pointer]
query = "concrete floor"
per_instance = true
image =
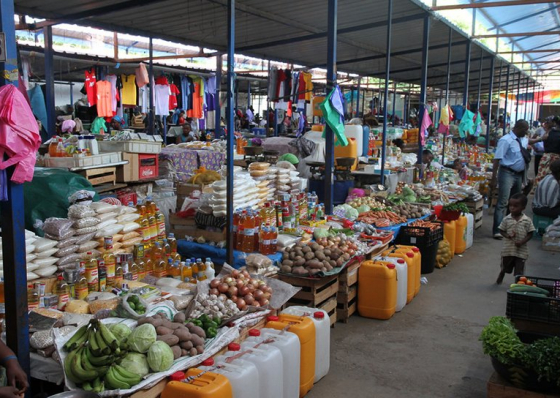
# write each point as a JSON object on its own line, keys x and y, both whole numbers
{"x": 431, "y": 348}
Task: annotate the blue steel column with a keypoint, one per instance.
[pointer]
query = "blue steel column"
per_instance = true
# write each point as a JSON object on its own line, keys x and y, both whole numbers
{"x": 236, "y": 85}
{"x": 151, "y": 117}
{"x": 499, "y": 92}
{"x": 331, "y": 82}
{"x": 351, "y": 101}
{"x": 526, "y": 97}
{"x": 479, "y": 81}
{"x": 490, "y": 103}
{"x": 275, "y": 121}
{"x": 248, "y": 94}
{"x": 358, "y": 99}
{"x": 218, "y": 115}
{"x": 507, "y": 93}
{"x": 230, "y": 127}
{"x": 386, "y": 90}
{"x": 423, "y": 86}
{"x": 49, "y": 82}
{"x": 12, "y": 220}
{"x": 533, "y": 103}
{"x": 394, "y": 100}
{"x": 467, "y": 74}
{"x": 517, "y": 96}
{"x": 447, "y": 86}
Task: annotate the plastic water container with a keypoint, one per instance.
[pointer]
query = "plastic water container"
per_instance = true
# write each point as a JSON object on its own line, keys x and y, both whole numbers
{"x": 417, "y": 257}
{"x": 207, "y": 385}
{"x": 449, "y": 234}
{"x": 411, "y": 271}
{"x": 268, "y": 361}
{"x": 402, "y": 270}
{"x": 304, "y": 328}
{"x": 290, "y": 347}
{"x": 470, "y": 230}
{"x": 348, "y": 151}
{"x": 377, "y": 290}
{"x": 356, "y": 132}
{"x": 461, "y": 235}
{"x": 242, "y": 374}
{"x": 322, "y": 337}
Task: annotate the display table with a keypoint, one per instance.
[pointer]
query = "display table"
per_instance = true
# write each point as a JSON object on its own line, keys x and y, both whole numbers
{"x": 202, "y": 250}
{"x": 181, "y": 163}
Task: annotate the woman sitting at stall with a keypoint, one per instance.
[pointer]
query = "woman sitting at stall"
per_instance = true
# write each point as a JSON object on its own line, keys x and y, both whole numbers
{"x": 551, "y": 140}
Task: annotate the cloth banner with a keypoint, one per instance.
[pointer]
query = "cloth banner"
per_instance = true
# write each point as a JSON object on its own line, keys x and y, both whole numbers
{"x": 333, "y": 112}
{"x": 426, "y": 122}
{"x": 467, "y": 124}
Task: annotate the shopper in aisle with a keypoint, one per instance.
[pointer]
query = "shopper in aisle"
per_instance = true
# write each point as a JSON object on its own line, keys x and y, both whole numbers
{"x": 510, "y": 161}
{"x": 546, "y": 202}
{"x": 428, "y": 160}
{"x": 16, "y": 378}
{"x": 538, "y": 147}
{"x": 551, "y": 141}
{"x": 518, "y": 229}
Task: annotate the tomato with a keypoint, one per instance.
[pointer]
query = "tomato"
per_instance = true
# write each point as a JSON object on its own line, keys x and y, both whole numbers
{"x": 523, "y": 279}
{"x": 528, "y": 282}
{"x": 520, "y": 282}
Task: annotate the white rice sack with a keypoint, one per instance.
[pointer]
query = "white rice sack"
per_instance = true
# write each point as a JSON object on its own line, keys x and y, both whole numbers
{"x": 130, "y": 235}
{"x": 106, "y": 223}
{"x": 107, "y": 216}
{"x": 84, "y": 238}
{"x": 29, "y": 234}
{"x": 94, "y": 253}
{"x": 66, "y": 251}
{"x": 131, "y": 242}
{"x": 109, "y": 231}
{"x": 67, "y": 242}
{"x": 32, "y": 276}
{"x": 86, "y": 222}
{"x": 30, "y": 241}
{"x": 86, "y": 230}
{"x": 29, "y": 249}
{"x": 43, "y": 244}
{"x": 31, "y": 266}
{"x": 43, "y": 272}
{"x": 30, "y": 257}
{"x": 128, "y": 218}
{"x": 131, "y": 226}
{"x": 103, "y": 207}
{"x": 125, "y": 210}
{"x": 78, "y": 211}
{"x": 47, "y": 253}
{"x": 69, "y": 259}
{"x": 88, "y": 246}
{"x": 45, "y": 262}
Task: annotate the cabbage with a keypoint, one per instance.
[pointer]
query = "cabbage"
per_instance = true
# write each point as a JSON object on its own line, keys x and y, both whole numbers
{"x": 142, "y": 338}
{"x": 160, "y": 356}
{"x": 363, "y": 208}
{"x": 121, "y": 331}
{"x": 320, "y": 233}
{"x": 136, "y": 363}
{"x": 351, "y": 214}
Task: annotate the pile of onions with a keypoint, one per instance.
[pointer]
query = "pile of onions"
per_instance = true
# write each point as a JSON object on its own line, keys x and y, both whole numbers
{"x": 243, "y": 290}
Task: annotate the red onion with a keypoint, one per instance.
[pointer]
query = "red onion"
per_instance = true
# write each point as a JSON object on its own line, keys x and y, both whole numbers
{"x": 241, "y": 304}
{"x": 249, "y": 299}
{"x": 232, "y": 291}
{"x": 223, "y": 287}
{"x": 214, "y": 291}
{"x": 214, "y": 283}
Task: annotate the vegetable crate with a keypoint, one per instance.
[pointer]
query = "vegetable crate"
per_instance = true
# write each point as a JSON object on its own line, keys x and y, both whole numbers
{"x": 497, "y": 387}
{"x": 315, "y": 293}
{"x": 182, "y": 226}
{"x": 536, "y": 309}
{"x": 476, "y": 209}
{"x": 420, "y": 236}
{"x": 347, "y": 297}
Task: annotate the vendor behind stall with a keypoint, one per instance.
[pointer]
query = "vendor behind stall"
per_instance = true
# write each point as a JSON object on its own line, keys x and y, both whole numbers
{"x": 188, "y": 135}
{"x": 461, "y": 169}
{"x": 428, "y": 160}
{"x": 16, "y": 378}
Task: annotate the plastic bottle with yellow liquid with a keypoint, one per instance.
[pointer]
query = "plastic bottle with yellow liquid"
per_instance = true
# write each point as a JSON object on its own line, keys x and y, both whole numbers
{"x": 132, "y": 267}
{"x": 62, "y": 290}
{"x": 92, "y": 272}
{"x": 152, "y": 227}
{"x": 148, "y": 263}
{"x": 119, "y": 274}
{"x": 172, "y": 242}
{"x": 160, "y": 220}
{"x": 200, "y": 268}
{"x": 166, "y": 249}
{"x": 186, "y": 271}
{"x": 81, "y": 286}
{"x": 110, "y": 261}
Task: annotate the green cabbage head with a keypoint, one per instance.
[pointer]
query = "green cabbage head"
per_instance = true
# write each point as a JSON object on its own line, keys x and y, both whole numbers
{"x": 136, "y": 363}
{"x": 142, "y": 338}
{"x": 121, "y": 331}
{"x": 160, "y": 357}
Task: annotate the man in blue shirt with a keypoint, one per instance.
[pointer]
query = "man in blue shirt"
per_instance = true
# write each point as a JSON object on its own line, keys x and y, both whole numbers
{"x": 509, "y": 166}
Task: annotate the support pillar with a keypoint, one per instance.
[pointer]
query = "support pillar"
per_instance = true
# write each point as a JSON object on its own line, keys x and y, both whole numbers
{"x": 506, "y": 104}
{"x": 490, "y": 103}
{"x": 230, "y": 126}
{"x": 49, "y": 82}
{"x": 218, "y": 112}
{"x": 423, "y": 86}
{"x": 467, "y": 74}
{"x": 386, "y": 90}
{"x": 151, "y": 111}
{"x": 331, "y": 83}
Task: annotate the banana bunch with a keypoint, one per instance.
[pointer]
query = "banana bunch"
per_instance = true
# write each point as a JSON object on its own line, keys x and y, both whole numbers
{"x": 93, "y": 352}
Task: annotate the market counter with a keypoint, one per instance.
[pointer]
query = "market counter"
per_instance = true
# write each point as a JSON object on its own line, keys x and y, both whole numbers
{"x": 189, "y": 249}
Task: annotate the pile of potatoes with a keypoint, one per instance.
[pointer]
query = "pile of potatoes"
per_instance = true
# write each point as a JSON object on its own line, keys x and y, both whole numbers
{"x": 408, "y": 210}
{"x": 184, "y": 339}
{"x": 320, "y": 256}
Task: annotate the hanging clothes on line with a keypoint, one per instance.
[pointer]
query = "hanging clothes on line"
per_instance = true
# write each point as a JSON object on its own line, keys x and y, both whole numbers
{"x": 90, "y": 86}
{"x": 129, "y": 89}
{"x": 162, "y": 93}
{"x": 104, "y": 99}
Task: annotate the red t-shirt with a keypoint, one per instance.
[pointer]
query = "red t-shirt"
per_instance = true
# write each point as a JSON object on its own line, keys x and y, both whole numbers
{"x": 173, "y": 96}
{"x": 91, "y": 79}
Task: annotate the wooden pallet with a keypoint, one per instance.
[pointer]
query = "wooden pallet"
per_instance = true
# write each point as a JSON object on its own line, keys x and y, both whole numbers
{"x": 474, "y": 207}
{"x": 347, "y": 304}
{"x": 497, "y": 387}
{"x": 478, "y": 219}
{"x": 100, "y": 176}
{"x": 348, "y": 277}
{"x": 182, "y": 226}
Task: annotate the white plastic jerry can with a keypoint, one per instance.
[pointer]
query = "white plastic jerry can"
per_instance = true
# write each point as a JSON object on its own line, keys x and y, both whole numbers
{"x": 290, "y": 347}
{"x": 269, "y": 364}
{"x": 402, "y": 280}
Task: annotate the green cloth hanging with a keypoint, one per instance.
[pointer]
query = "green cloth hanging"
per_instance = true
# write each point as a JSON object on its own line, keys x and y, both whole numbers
{"x": 467, "y": 124}
{"x": 97, "y": 125}
{"x": 332, "y": 119}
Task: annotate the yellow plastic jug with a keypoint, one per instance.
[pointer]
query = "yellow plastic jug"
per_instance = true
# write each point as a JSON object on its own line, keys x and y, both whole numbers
{"x": 411, "y": 268}
{"x": 461, "y": 235}
{"x": 304, "y": 328}
{"x": 418, "y": 264}
{"x": 348, "y": 151}
{"x": 377, "y": 290}
{"x": 207, "y": 385}
{"x": 317, "y": 127}
{"x": 449, "y": 233}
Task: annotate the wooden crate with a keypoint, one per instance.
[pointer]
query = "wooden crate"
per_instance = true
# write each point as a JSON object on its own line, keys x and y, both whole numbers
{"x": 100, "y": 176}
{"x": 182, "y": 226}
{"x": 497, "y": 387}
{"x": 315, "y": 293}
{"x": 184, "y": 190}
{"x": 347, "y": 304}
{"x": 474, "y": 207}
{"x": 348, "y": 277}
{"x": 478, "y": 219}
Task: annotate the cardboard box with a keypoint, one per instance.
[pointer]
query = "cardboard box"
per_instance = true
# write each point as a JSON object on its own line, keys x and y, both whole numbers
{"x": 139, "y": 167}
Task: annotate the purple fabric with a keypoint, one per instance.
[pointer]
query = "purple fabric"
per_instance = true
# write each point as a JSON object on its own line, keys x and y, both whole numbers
{"x": 301, "y": 124}
{"x": 3, "y": 186}
{"x": 337, "y": 101}
{"x": 184, "y": 161}
{"x": 212, "y": 160}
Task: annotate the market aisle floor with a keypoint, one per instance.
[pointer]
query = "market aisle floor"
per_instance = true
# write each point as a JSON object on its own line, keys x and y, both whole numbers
{"x": 431, "y": 348}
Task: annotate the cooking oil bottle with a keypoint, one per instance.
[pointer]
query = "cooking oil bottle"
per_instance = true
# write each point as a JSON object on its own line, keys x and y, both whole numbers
{"x": 119, "y": 273}
{"x": 187, "y": 272}
{"x": 172, "y": 270}
{"x": 157, "y": 253}
{"x": 92, "y": 272}
{"x": 110, "y": 261}
{"x": 200, "y": 268}
{"x": 172, "y": 242}
{"x": 132, "y": 267}
{"x": 81, "y": 286}
{"x": 166, "y": 249}
{"x": 160, "y": 268}
{"x": 152, "y": 227}
{"x": 160, "y": 220}
{"x": 62, "y": 290}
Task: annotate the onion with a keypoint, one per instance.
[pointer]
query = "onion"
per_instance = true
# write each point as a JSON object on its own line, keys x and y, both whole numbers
{"x": 214, "y": 291}
{"x": 232, "y": 283}
{"x": 240, "y": 284}
{"x": 243, "y": 291}
{"x": 234, "y": 299}
{"x": 266, "y": 289}
{"x": 232, "y": 291}
{"x": 258, "y": 294}
{"x": 249, "y": 299}
{"x": 214, "y": 283}
{"x": 245, "y": 274}
{"x": 255, "y": 283}
{"x": 251, "y": 288}
{"x": 264, "y": 302}
{"x": 256, "y": 304}
{"x": 267, "y": 295}
{"x": 235, "y": 273}
{"x": 222, "y": 297}
{"x": 261, "y": 283}
{"x": 223, "y": 287}
{"x": 228, "y": 280}
{"x": 241, "y": 304}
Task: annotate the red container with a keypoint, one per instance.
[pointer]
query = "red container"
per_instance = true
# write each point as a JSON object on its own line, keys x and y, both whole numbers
{"x": 126, "y": 196}
{"x": 447, "y": 215}
{"x": 148, "y": 166}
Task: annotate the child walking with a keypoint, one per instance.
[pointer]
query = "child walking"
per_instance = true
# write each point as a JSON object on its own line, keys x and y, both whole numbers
{"x": 517, "y": 229}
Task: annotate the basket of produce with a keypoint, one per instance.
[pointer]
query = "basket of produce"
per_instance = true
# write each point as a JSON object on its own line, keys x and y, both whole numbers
{"x": 452, "y": 211}
{"x": 421, "y": 233}
{"x": 534, "y": 299}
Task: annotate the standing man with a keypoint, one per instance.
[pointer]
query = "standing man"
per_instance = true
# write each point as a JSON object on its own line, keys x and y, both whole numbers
{"x": 510, "y": 160}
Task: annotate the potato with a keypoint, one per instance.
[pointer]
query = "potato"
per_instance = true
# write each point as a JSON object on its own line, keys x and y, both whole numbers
{"x": 176, "y": 352}
{"x": 306, "y": 249}
{"x": 327, "y": 252}
{"x": 199, "y": 349}
{"x": 286, "y": 269}
{"x": 197, "y": 340}
{"x": 182, "y": 334}
{"x": 285, "y": 256}
{"x": 167, "y": 323}
{"x": 332, "y": 263}
{"x": 314, "y": 264}
{"x": 320, "y": 255}
{"x": 179, "y": 317}
{"x": 292, "y": 256}
{"x": 309, "y": 256}
{"x": 144, "y": 320}
{"x": 186, "y": 345}
{"x": 175, "y": 325}
{"x": 323, "y": 269}
{"x": 193, "y": 352}
{"x": 315, "y": 246}
{"x": 314, "y": 271}
{"x": 162, "y": 331}
{"x": 169, "y": 339}
{"x": 299, "y": 271}
{"x": 184, "y": 353}
{"x": 196, "y": 330}
{"x": 299, "y": 262}
{"x": 329, "y": 268}
{"x": 289, "y": 263}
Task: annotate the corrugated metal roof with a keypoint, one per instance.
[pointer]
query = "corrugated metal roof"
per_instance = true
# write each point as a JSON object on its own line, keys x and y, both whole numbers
{"x": 293, "y": 31}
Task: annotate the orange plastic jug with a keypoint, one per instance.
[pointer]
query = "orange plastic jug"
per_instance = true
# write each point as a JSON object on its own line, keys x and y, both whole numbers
{"x": 348, "y": 151}
{"x": 411, "y": 273}
{"x": 304, "y": 328}
{"x": 207, "y": 385}
{"x": 449, "y": 233}
{"x": 377, "y": 290}
{"x": 461, "y": 235}
{"x": 418, "y": 264}
{"x": 317, "y": 127}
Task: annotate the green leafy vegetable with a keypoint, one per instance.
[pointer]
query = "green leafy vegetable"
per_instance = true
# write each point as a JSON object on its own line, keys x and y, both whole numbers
{"x": 544, "y": 358}
{"x": 457, "y": 206}
{"x": 121, "y": 331}
{"x": 160, "y": 357}
{"x": 499, "y": 340}
{"x": 136, "y": 363}
{"x": 142, "y": 338}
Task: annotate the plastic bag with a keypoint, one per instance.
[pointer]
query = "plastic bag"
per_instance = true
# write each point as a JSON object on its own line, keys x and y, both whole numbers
{"x": 47, "y": 253}
{"x": 68, "y": 234}
{"x": 86, "y": 230}
{"x": 131, "y": 226}
{"x": 131, "y": 242}
{"x": 109, "y": 231}
{"x": 58, "y": 227}
{"x": 86, "y": 222}
{"x": 70, "y": 259}
{"x": 102, "y": 207}
{"x": 43, "y": 244}
{"x": 106, "y": 223}
{"x": 45, "y": 262}
{"x": 79, "y": 211}
{"x": 124, "y": 311}
{"x": 82, "y": 196}
{"x": 66, "y": 251}
{"x": 128, "y": 218}
{"x": 130, "y": 235}
{"x": 84, "y": 238}
{"x": 88, "y": 246}
{"x": 106, "y": 216}
{"x": 67, "y": 242}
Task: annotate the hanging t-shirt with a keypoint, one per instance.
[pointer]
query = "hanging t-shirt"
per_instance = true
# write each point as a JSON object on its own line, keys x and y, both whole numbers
{"x": 177, "y": 82}
{"x": 104, "y": 104}
{"x": 196, "y": 111}
{"x": 308, "y": 87}
{"x": 173, "y": 96}
{"x": 91, "y": 79}
{"x": 162, "y": 99}
{"x": 114, "y": 96}
{"x": 162, "y": 80}
{"x": 143, "y": 98}
{"x": 129, "y": 89}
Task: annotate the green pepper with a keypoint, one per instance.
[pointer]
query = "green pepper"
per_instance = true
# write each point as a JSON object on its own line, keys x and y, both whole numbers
{"x": 211, "y": 332}
{"x": 217, "y": 320}
{"x": 204, "y": 318}
{"x": 211, "y": 324}
{"x": 197, "y": 323}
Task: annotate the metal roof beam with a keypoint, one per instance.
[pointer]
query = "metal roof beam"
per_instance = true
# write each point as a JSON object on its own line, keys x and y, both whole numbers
{"x": 526, "y": 34}
{"x": 529, "y": 51}
{"x": 505, "y": 3}
{"x": 523, "y": 18}
{"x": 320, "y": 35}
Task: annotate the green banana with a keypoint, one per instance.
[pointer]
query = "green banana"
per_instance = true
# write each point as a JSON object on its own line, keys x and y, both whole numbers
{"x": 102, "y": 370}
{"x": 105, "y": 349}
{"x": 80, "y": 372}
{"x": 98, "y": 385}
{"x": 86, "y": 386}
{"x": 99, "y": 361}
{"x": 94, "y": 347}
{"x": 78, "y": 338}
{"x": 68, "y": 367}
{"x": 86, "y": 364}
{"x": 114, "y": 382}
{"x": 126, "y": 375}
{"x": 108, "y": 336}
